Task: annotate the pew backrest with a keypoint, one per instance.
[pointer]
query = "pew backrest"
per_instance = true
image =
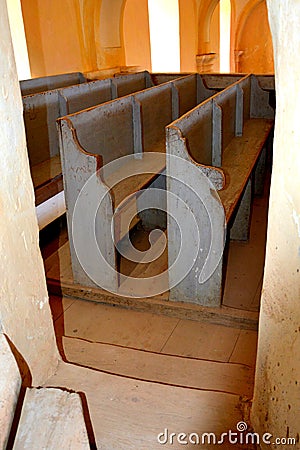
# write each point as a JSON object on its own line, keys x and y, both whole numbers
{"x": 105, "y": 130}
{"x": 127, "y": 84}
{"x": 209, "y": 128}
{"x": 42, "y": 84}
{"x": 82, "y": 96}
{"x": 155, "y": 106}
{"x": 40, "y": 114}
{"x": 196, "y": 127}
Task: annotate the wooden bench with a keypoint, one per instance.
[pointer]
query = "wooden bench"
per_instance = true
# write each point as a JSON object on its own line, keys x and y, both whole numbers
{"x": 90, "y": 139}
{"x": 41, "y": 111}
{"x": 42, "y": 84}
{"x": 49, "y": 418}
{"x": 223, "y": 140}
{"x": 221, "y": 81}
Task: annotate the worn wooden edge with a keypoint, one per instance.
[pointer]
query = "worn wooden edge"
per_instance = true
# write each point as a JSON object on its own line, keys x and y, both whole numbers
{"x": 48, "y": 189}
{"x": 231, "y": 317}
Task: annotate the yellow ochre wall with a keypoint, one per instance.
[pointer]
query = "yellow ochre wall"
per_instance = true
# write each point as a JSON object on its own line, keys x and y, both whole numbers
{"x": 137, "y": 34}
{"x": 188, "y": 35}
{"x": 73, "y": 35}
{"x": 90, "y": 35}
{"x": 53, "y": 36}
{"x": 254, "y": 42}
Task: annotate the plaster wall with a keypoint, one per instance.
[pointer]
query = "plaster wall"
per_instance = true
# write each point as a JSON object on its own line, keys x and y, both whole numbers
{"x": 108, "y": 35}
{"x": 25, "y": 315}
{"x": 276, "y": 407}
{"x": 54, "y": 36}
{"x": 208, "y": 36}
{"x": 215, "y": 37}
{"x": 240, "y": 5}
{"x": 188, "y": 35}
{"x": 18, "y": 37}
{"x": 76, "y": 35}
{"x": 255, "y": 42}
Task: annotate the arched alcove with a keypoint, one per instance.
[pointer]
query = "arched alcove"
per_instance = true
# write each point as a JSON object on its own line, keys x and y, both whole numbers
{"x": 136, "y": 34}
{"x": 253, "y": 44}
{"x": 208, "y": 36}
{"x": 108, "y": 25}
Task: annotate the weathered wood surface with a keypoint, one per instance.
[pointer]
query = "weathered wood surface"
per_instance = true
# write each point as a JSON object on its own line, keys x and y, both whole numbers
{"x": 47, "y": 179}
{"x": 51, "y": 419}
{"x": 40, "y": 113}
{"x": 221, "y": 81}
{"x": 10, "y": 385}
{"x": 238, "y": 121}
{"x": 90, "y": 139}
{"x": 127, "y": 84}
{"x": 42, "y": 84}
{"x": 60, "y": 282}
{"x": 161, "y": 368}
{"x": 82, "y": 96}
{"x": 239, "y": 159}
{"x": 146, "y": 170}
{"x": 41, "y": 110}
{"x": 130, "y": 413}
{"x": 41, "y": 173}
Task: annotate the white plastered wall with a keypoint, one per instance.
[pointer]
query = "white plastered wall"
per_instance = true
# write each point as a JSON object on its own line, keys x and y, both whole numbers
{"x": 276, "y": 407}
{"x": 25, "y": 315}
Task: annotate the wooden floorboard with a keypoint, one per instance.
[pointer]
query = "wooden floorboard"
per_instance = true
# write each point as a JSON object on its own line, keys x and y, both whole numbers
{"x": 222, "y": 316}
{"x": 60, "y": 282}
{"x": 166, "y": 369}
{"x": 129, "y": 414}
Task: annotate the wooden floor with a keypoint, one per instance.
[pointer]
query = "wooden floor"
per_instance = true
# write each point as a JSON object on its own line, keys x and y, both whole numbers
{"x": 243, "y": 280}
{"x": 143, "y": 372}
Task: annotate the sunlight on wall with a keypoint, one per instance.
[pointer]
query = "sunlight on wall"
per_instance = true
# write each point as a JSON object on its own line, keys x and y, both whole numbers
{"x": 225, "y": 14}
{"x": 164, "y": 35}
{"x": 18, "y": 38}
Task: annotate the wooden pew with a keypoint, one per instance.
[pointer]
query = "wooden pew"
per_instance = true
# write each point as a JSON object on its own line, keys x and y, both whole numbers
{"x": 222, "y": 141}
{"x": 127, "y": 84}
{"x": 42, "y": 84}
{"x": 40, "y": 114}
{"x": 221, "y": 81}
{"x": 85, "y": 95}
{"x": 90, "y": 139}
{"x": 41, "y": 111}
{"x": 78, "y": 97}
